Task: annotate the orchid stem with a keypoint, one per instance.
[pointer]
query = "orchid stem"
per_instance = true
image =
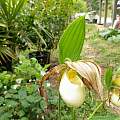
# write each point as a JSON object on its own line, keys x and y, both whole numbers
{"x": 73, "y": 114}
{"x": 59, "y": 107}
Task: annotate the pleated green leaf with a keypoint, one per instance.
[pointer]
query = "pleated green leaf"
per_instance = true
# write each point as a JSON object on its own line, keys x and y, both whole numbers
{"x": 72, "y": 40}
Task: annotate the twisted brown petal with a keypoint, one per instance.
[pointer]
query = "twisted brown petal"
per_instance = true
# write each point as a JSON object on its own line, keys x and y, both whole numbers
{"x": 90, "y": 73}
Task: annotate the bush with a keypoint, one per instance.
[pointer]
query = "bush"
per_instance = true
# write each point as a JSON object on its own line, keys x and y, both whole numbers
{"x": 111, "y": 35}
{"x": 19, "y": 96}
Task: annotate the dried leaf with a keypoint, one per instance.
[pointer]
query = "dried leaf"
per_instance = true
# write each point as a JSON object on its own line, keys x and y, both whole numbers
{"x": 55, "y": 72}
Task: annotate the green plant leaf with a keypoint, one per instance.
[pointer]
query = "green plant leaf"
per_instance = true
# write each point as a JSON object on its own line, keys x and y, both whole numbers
{"x": 21, "y": 113}
{"x": 8, "y": 95}
{"x": 18, "y": 7}
{"x": 24, "y": 104}
{"x": 6, "y": 52}
{"x": 24, "y": 118}
{"x": 72, "y": 40}
{"x": 22, "y": 93}
{"x": 46, "y": 32}
{"x": 10, "y": 8}
{"x": 108, "y": 78}
{"x": 5, "y": 116}
{"x": 30, "y": 99}
{"x": 11, "y": 103}
{"x": 4, "y": 10}
{"x": 1, "y": 100}
{"x": 12, "y": 91}
{"x": 1, "y": 85}
{"x": 3, "y": 25}
{"x": 40, "y": 36}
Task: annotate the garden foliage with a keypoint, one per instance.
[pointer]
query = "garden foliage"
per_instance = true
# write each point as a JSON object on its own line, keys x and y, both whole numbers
{"x": 37, "y": 25}
{"x": 111, "y": 35}
{"x": 24, "y": 24}
{"x": 19, "y": 96}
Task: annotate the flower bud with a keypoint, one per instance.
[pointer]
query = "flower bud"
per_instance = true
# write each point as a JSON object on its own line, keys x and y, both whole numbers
{"x": 115, "y": 97}
{"x": 116, "y": 81}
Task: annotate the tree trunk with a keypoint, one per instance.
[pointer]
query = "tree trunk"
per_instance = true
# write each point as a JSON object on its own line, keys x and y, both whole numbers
{"x": 114, "y": 11}
{"x": 105, "y": 12}
{"x": 100, "y": 11}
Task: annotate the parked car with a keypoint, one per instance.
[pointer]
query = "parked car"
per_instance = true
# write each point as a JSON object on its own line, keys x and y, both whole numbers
{"x": 90, "y": 17}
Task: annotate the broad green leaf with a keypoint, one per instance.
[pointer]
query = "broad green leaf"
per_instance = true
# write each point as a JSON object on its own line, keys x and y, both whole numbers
{"x": 108, "y": 78}
{"x": 15, "y": 96}
{"x": 72, "y": 40}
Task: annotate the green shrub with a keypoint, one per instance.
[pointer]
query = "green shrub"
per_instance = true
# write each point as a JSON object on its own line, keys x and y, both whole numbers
{"x": 111, "y": 35}
{"x": 28, "y": 69}
{"x": 19, "y": 96}
{"x": 21, "y": 102}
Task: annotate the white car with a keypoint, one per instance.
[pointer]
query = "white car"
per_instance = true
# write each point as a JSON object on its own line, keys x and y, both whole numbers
{"x": 90, "y": 17}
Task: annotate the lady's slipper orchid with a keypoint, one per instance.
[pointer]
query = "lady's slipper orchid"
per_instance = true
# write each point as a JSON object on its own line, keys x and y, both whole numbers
{"x": 72, "y": 89}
